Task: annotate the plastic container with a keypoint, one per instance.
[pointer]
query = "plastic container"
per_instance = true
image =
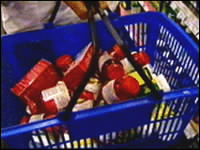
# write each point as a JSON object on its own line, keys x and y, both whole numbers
{"x": 172, "y": 53}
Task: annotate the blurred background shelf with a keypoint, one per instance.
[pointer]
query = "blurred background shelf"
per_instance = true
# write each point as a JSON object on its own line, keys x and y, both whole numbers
{"x": 184, "y": 13}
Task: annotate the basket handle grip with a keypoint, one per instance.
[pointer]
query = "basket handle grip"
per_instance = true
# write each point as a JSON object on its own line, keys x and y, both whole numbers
{"x": 92, "y": 67}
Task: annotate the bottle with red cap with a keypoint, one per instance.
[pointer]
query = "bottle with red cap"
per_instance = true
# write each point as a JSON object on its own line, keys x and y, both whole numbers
{"x": 43, "y": 75}
{"x": 120, "y": 89}
{"x": 63, "y": 63}
{"x": 109, "y": 68}
{"x": 56, "y": 98}
{"x": 116, "y": 52}
{"x": 141, "y": 58}
{"x": 76, "y": 72}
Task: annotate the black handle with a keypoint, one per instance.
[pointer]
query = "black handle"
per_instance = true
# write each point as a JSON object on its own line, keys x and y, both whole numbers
{"x": 91, "y": 70}
{"x": 55, "y": 11}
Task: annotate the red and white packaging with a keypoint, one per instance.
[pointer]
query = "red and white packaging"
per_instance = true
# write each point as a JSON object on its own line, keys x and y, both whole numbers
{"x": 121, "y": 89}
{"x": 141, "y": 58}
{"x": 109, "y": 68}
{"x": 89, "y": 95}
{"x": 63, "y": 63}
{"x": 92, "y": 89}
{"x": 76, "y": 72}
{"x": 33, "y": 107}
{"x": 42, "y": 76}
{"x": 56, "y": 98}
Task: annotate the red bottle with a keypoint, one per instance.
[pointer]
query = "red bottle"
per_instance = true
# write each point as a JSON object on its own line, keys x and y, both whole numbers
{"x": 121, "y": 89}
{"x": 42, "y": 76}
{"x": 63, "y": 63}
{"x": 78, "y": 69}
{"x": 141, "y": 58}
{"x": 56, "y": 98}
{"x": 116, "y": 52}
{"x": 109, "y": 68}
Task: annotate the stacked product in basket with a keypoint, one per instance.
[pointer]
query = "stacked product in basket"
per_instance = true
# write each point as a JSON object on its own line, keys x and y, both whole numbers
{"x": 48, "y": 87}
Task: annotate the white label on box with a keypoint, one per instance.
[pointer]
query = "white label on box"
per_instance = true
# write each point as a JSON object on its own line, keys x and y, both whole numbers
{"x": 108, "y": 92}
{"x": 59, "y": 94}
{"x": 103, "y": 58}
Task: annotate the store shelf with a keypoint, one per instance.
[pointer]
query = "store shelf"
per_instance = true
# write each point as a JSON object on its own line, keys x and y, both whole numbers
{"x": 147, "y": 6}
{"x": 186, "y": 16}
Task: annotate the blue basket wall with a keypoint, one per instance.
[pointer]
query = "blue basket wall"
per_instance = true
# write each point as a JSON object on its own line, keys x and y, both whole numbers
{"x": 172, "y": 53}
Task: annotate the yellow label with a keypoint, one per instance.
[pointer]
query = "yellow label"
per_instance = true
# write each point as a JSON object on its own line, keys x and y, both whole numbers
{"x": 84, "y": 143}
{"x": 80, "y": 100}
{"x": 93, "y": 80}
{"x": 137, "y": 77}
{"x": 161, "y": 112}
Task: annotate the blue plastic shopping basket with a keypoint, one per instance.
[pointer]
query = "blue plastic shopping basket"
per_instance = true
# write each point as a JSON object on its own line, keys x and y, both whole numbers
{"x": 126, "y": 124}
